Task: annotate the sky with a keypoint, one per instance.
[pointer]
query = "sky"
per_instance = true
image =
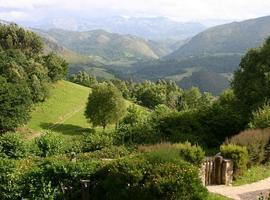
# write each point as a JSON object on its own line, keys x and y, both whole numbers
{"x": 181, "y": 10}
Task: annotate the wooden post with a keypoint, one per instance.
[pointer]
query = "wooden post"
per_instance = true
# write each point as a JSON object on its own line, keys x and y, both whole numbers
{"x": 85, "y": 189}
{"x": 218, "y": 170}
{"x": 227, "y": 172}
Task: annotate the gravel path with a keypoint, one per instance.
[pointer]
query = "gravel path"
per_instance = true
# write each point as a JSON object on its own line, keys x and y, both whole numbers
{"x": 244, "y": 192}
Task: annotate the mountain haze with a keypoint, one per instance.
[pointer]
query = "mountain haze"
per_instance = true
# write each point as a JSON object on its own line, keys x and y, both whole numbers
{"x": 232, "y": 38}
{"x": 108, "y": 46}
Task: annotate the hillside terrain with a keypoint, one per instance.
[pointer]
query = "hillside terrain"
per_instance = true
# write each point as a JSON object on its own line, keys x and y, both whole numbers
{"x": 217, "y": 50}
{"x": 152, "y": 28}
{"x": 232, "y": 38}
{"x": 62, "y": 111}
{"x": 108, "y": 46}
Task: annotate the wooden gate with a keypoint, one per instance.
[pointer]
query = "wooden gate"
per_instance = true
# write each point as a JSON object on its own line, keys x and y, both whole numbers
{"x": 217, "y": 171}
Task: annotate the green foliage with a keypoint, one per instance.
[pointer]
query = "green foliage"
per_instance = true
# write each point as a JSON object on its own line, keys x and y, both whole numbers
{"x": 12, "y": 145}
{"x": 193, "y": 154}
{"x": 112, "y": 152}
{"x": 47, "y": 177}
{"x": 256, "y": 142}
{"x": 238, "y": 154}
{"x": 83, "y": 78}
{"x": 251, "y": 82}
{"x": 260, "y": 118}
{"x": 14, "y": 37}
{"x": 167, "y": 151}
{"x": 140, "y": 178}
{"x": 15, "y": 105}
{"x": 105, "y": 105}
{"x": 254, "y": 174}
{"x": 50, "y": 144}
{"x": 9, "y": 187}
{"x": 96, "y": 141}
{"x": 56, "y": 65}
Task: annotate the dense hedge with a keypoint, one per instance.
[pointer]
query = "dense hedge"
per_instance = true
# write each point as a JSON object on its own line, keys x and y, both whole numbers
{"x": 139, "y": 177}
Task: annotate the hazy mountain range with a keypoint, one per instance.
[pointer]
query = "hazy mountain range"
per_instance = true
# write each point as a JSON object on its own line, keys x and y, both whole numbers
{"x": 206, "y": 60}
{"x": 153, "y": 28}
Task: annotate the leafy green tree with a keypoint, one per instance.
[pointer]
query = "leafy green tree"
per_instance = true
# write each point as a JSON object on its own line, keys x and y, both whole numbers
{"x": 56, "y": 65}
{"x": 83, "y": 78}
{"x": 15, "y": 104}
{"x": 251, "y": 82}
{"x": 14, "y": 37}
{"x": 105, "y": 105}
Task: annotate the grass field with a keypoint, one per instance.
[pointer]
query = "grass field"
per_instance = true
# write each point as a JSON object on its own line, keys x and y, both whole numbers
{"x": 63, "y": 111}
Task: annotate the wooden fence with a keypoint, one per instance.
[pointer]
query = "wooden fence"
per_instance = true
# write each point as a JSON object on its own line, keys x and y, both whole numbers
{"x": 217, "y": 171}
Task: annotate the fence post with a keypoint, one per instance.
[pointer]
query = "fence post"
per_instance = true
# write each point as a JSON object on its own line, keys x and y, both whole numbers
{"x": 85, "y": 189}
{"x": 218, "y": 170}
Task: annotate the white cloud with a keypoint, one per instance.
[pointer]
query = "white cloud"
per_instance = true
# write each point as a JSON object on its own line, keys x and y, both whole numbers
{"x": 184, "y": 10}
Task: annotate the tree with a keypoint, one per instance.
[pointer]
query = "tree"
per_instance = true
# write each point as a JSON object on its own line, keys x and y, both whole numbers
{"x": 251, "y": 83}
{"x": 14, "y": 37}
{"x": 15, "y": 104}
{"x": 105, "y": 105}
{"x": 57, "y": 66}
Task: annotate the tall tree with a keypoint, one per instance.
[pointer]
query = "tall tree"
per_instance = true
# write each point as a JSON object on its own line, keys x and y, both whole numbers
{"x": 15, "y": 104}
{"x": 251, "y": 83}
{"x": 57, "y": 66}
{"x": 105, "y": 105}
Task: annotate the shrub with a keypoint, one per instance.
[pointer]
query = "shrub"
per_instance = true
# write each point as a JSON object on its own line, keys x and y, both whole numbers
{"x": 9, "y": 187}
{"x": 190, "y": 153}
{"x": 238, "y": 154}
{"x": 12, "y": 146}
{"x": 139, "y": 178}
{"x": 112, "y": 152}
{"x": 50, "y": 144}
{"x": 96, "y": 141}
{"x": 260, "y": 118}
{"x": 255, "y": 141}
{"x": 48, "y": 177}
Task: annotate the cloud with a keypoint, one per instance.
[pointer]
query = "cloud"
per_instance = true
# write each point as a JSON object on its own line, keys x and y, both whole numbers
{"x": 184, "y": 10}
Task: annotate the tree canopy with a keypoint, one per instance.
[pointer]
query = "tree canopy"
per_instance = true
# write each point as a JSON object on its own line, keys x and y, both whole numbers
{"x": 105, "y": 105}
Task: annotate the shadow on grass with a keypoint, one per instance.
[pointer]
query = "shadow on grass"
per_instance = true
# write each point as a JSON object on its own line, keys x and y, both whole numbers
{"x": 66, "y": 129}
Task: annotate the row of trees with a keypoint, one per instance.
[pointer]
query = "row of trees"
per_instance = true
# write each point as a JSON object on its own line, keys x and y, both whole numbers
{"x": 25, "y": 74}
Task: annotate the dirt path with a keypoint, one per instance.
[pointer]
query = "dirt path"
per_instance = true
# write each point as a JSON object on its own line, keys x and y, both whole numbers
{"x": 245, "y": 192}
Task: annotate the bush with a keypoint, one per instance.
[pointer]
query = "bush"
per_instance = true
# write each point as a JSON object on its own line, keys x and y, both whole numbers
{"x": 9, "y": 187}
{"x": 255, "y": 141}
{"x": 190, "y": 153}
{"x": 96, "y": 141}
{"x": 140, "y": 178}
{"x": 260, "y": 118}
{"x": 12, "y": 146}
{"x": 113, "y": 152}
{"x": 50, "y": 144}
{"x": 238, "y": 154}
{"x": 48, "y": 177}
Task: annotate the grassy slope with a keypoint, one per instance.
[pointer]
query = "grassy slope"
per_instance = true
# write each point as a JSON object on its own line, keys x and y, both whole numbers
{"x": 64, "y": 106}
{"x": 63, "y": 111}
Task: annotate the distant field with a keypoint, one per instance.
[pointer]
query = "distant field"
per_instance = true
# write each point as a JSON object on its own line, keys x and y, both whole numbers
{"x": 188, "y": 73}
{"x": 63, "y": 110}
